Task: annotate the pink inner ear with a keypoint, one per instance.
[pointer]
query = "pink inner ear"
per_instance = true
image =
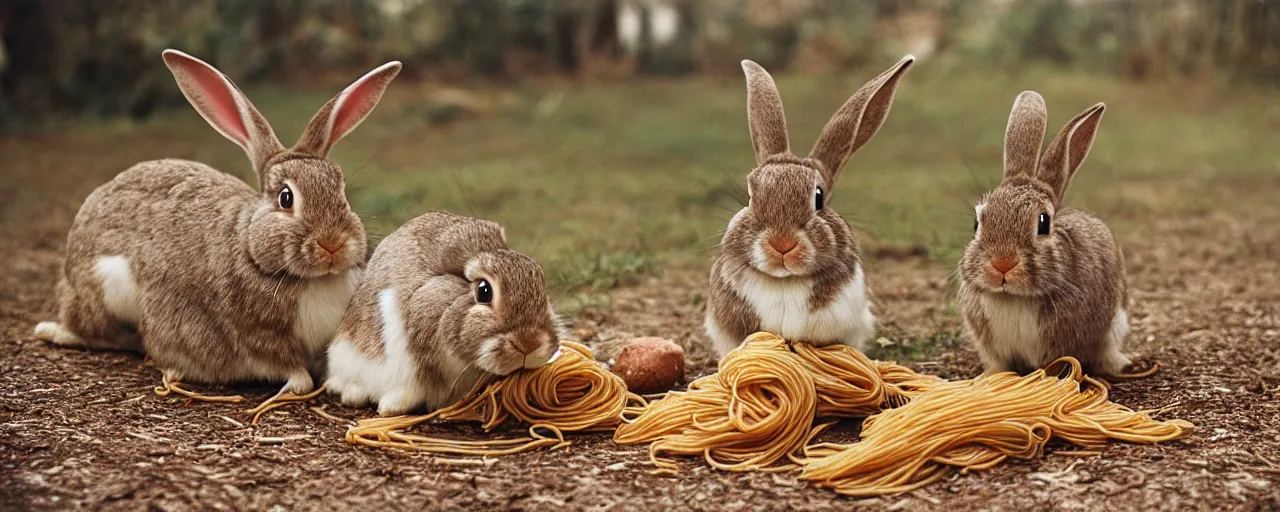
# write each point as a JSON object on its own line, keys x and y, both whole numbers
{"x": 353, "y": 107}
{"x": 219, "y": 101}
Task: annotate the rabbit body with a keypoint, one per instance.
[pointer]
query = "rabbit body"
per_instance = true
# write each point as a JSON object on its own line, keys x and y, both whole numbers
{"x": 1040, "y": 281}
{"x": 216, "y": 281}
{"x": 421, "y": 333}
{"x": 196, "y": 303}
{"x": 831, "y": 307}
{"x": 788, "y": 263}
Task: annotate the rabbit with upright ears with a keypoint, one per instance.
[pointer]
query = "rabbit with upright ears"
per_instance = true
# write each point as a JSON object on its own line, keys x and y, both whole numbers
{"x": 788, "y": 263}
{"x": 216, "y": 281}
{"x": 1040, "y": 281}
{"x": 446, "y": 303}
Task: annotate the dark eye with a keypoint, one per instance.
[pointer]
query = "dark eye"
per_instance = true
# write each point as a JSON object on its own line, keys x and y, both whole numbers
{"x": 975, "y": 223}
{"x": 817, "y": 198}
{"x": 484, "y": 292}
{"x": 285, "y": 199}
{"x": 1043, "y": 227}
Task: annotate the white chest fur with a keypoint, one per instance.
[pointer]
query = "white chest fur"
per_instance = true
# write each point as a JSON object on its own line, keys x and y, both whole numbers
{"x": 1014, "y": 324}
{"x": 321, "y": 306}
{"x": 783, "y": 308}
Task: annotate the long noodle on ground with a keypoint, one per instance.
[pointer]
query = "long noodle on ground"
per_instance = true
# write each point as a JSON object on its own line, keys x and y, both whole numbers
{"x": 976, "y": 424}
{"x": 572, "y": 393}
{"x": 760, "y": 406}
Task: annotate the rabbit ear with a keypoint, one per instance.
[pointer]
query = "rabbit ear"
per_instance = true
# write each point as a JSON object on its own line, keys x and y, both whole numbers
{"x": 1024, "y": 135}
{"x": 222, "y": 104}
{"x": 857, "y": 121}
{"x": 764, "y": 114}
{"x": 345, "y": 111}
{"x": 1068, "y": 149}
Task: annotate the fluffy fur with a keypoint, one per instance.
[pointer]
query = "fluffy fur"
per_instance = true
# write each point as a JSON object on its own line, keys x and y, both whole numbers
{"x": 1057, "y": 294}
{"x": 415, "y": 335}
{"x": 216, "y": 281}
{"x": 785, "y": 265}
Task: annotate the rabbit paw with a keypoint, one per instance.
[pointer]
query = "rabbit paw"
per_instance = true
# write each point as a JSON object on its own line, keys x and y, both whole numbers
{"x": 396, "y": 403}
{"x": 299, "y": 383}
{"x": 55, "y": 333}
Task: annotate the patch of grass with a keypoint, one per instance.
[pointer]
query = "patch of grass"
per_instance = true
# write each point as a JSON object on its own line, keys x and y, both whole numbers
{"x": 583, "y": 280}
{"x": 594, "y": 271}
{"x": 903, "y": 348}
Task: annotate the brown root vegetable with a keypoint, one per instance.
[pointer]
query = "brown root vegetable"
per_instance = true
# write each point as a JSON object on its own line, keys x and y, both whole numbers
{"x": 650, "y": 365}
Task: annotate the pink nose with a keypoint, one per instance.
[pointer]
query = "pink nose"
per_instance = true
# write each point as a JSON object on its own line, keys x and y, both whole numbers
{"x": 333, "y": 246}
{"x": 1004, "y": 265}
{"x": 783, "y": 243}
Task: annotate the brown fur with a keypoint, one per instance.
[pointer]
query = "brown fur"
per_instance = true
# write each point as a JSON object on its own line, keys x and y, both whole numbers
{"x": 1072, "y": 278}
{"x": 219, "y": 267}
{"x": 433, "y": 263}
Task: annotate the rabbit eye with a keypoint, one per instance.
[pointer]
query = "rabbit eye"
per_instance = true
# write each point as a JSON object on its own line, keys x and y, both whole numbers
{"x": 1043, "y": 227}
{"x": 817, "y": 198}
{"x": 484, "y": 292}
{"x": 285, "y": 199}
{"x": 975, "y": 224}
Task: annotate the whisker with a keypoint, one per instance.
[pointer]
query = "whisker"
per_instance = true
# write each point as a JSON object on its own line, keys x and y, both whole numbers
{"x": 377, "y": 151}
{"x": 462, "y": 192}
{"x": 274, "y": 275}
{"x": 726, "y": 208}
{"x": 459, "y": 378}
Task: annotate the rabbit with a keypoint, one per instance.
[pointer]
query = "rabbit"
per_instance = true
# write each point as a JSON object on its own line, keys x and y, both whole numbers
{"x": 1040, "y": 281}
{"x": 215, "y": 281}
{"x": 788, "y": 263}
{"x": 445, "y": 303}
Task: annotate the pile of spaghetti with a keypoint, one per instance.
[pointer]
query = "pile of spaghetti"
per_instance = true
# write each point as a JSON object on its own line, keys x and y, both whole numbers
{"x": 976, "y": 424}
{"x": 764, "y": 408}
{"x": 762, "y": 405}
{"x": 572, "y": 393}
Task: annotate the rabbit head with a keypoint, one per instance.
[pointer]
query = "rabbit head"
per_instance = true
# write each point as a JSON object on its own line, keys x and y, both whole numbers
{"x": 301, "y": 223}
{"x": 1016, "y": 247}
{"x": 511, "y": 325}
{"x": 788, "y": 227}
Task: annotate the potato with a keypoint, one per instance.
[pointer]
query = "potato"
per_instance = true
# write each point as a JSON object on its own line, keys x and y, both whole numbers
{"x": 650, "y": 365}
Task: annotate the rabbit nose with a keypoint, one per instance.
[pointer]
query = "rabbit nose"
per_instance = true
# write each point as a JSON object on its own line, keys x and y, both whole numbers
{"x": 783, "y": 243}
{"x": 333, "y": 246}
{"x": 524, "y": 345}
{"x": 1004, "y": 265}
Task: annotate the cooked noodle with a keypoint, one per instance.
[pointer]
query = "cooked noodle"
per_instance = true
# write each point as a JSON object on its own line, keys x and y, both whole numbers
{"x": 759, "y": 407}
{"x": 976, "y": 424}
{"x": 572, "y": 393}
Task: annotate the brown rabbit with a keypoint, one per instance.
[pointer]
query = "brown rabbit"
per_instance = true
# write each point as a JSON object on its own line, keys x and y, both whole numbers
{"x": 788, "y": 263}
{"x": 1040, "y": 281}
{"x": 445, "y": 303}
{"x": 216, "y": 281}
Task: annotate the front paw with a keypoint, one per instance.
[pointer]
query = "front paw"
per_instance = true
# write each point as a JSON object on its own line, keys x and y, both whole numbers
{"x": 55, "y": 333}
{"x": 397, "y": 403}
{"x": 299, "y": 383}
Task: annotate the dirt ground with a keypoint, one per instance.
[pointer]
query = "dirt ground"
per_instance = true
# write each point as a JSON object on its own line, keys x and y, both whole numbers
{"x": 82, "y": 430}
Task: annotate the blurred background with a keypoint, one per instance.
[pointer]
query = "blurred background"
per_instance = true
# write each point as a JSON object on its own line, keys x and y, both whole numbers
{"x": 610, "y": 137}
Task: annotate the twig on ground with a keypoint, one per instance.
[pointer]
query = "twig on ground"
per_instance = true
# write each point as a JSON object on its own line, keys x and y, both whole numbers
{"x": 233, "y": 422}
{"x": 282, "y": 440}
{"x": 319, "y": 410}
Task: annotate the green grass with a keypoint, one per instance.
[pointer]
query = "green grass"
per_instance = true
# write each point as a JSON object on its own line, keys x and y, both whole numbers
{"x": 607, "y": 181}
{"x": 657, "y": 168}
